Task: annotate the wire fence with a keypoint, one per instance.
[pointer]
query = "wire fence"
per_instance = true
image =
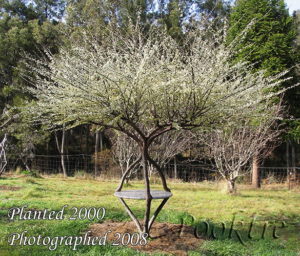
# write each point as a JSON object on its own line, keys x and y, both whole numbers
{"x": 198, "y": 173}
{"x": 187, "y": 172}
{"x": 45, "y": 164}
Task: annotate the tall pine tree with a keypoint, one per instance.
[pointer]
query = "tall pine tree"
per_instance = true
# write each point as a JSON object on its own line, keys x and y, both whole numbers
{"x": 269, "y": 42}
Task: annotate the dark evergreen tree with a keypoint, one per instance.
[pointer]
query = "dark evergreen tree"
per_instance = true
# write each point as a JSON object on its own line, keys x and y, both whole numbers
{"x": 18, "y": 8}
{"x": 50, "y": 9}
{"x": 21, "y": 33}
{"x": 174, "y": 18}
{"x": 269, "y": 42}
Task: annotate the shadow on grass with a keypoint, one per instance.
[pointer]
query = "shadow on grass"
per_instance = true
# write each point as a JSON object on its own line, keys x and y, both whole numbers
{"x": 262, "y": 196}
{"x": 9, "y": 178}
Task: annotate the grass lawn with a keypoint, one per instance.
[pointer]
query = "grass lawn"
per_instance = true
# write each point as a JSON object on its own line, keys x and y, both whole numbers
{"x": 192, "y": 204}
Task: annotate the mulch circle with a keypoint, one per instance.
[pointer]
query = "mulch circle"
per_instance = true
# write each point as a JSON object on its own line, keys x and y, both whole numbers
{"x": 174, "y": 239}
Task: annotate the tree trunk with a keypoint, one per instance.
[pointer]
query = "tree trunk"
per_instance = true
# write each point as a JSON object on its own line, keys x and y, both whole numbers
{"x": 62, "y": 153}
{"x": 86, "y": 149}
{"x": 293, "y": 163}
{"x": 160, "y": 172}
{"x": 26, "y": 165}
{"x": 288, "y": 164}
{"x": 60, "y": 148}
{"x": 293, "y": 159}
{"x": 255, "y": 173}
{"x": 231, "y": 188}
{"x": 175, "y": 169}
{"x": 96, "y": 153}
{"x": 47, "y": 159}
{"x": 101, "y": 141}
{"x": 287, "y": 152}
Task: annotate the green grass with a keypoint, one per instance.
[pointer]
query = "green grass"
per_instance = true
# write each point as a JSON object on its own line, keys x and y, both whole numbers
{"x": 191, "y": 203}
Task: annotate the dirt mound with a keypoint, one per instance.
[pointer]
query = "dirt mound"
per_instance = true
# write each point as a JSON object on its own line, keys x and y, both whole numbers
{"x": 175, "y": 239}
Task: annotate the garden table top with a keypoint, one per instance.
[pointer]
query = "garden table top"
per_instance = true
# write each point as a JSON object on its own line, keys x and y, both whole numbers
{"x": 141, "y": 194}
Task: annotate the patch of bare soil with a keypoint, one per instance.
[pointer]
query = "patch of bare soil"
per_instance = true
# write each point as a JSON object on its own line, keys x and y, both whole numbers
{"x": 11, "y": 188}
{"x": 174, "y": 239}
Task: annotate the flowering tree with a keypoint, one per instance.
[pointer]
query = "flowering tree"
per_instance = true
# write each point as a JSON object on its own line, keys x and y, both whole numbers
{"x": 145, "y": 86}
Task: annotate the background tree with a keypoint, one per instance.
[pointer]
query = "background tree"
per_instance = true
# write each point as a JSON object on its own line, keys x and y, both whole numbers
{"x": 268, "y": 43}
{"x": 50, "y": 9}
{"x": 294, "y": 132}
{"x": 126, "y": 154}
{"x": 93, "y": 15}
{"x": 173, "y": 19}
{"x": 232, "y": 146}
{"x": 22, "y": 32}
{"x": 162, "y": 150}
{"x": 166, "y": 147}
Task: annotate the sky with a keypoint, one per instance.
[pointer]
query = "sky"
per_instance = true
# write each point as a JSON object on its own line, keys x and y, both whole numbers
{"x": 293, "y": 5}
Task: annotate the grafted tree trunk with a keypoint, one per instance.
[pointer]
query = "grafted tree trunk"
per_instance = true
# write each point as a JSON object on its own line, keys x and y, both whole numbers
{"x": 145, "y": 158}
{"x": 255, "y": 172}
{"x": 144, "y": 143}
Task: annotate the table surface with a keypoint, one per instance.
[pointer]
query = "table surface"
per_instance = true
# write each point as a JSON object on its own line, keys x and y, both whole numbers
{"x": 141, "y": 194}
